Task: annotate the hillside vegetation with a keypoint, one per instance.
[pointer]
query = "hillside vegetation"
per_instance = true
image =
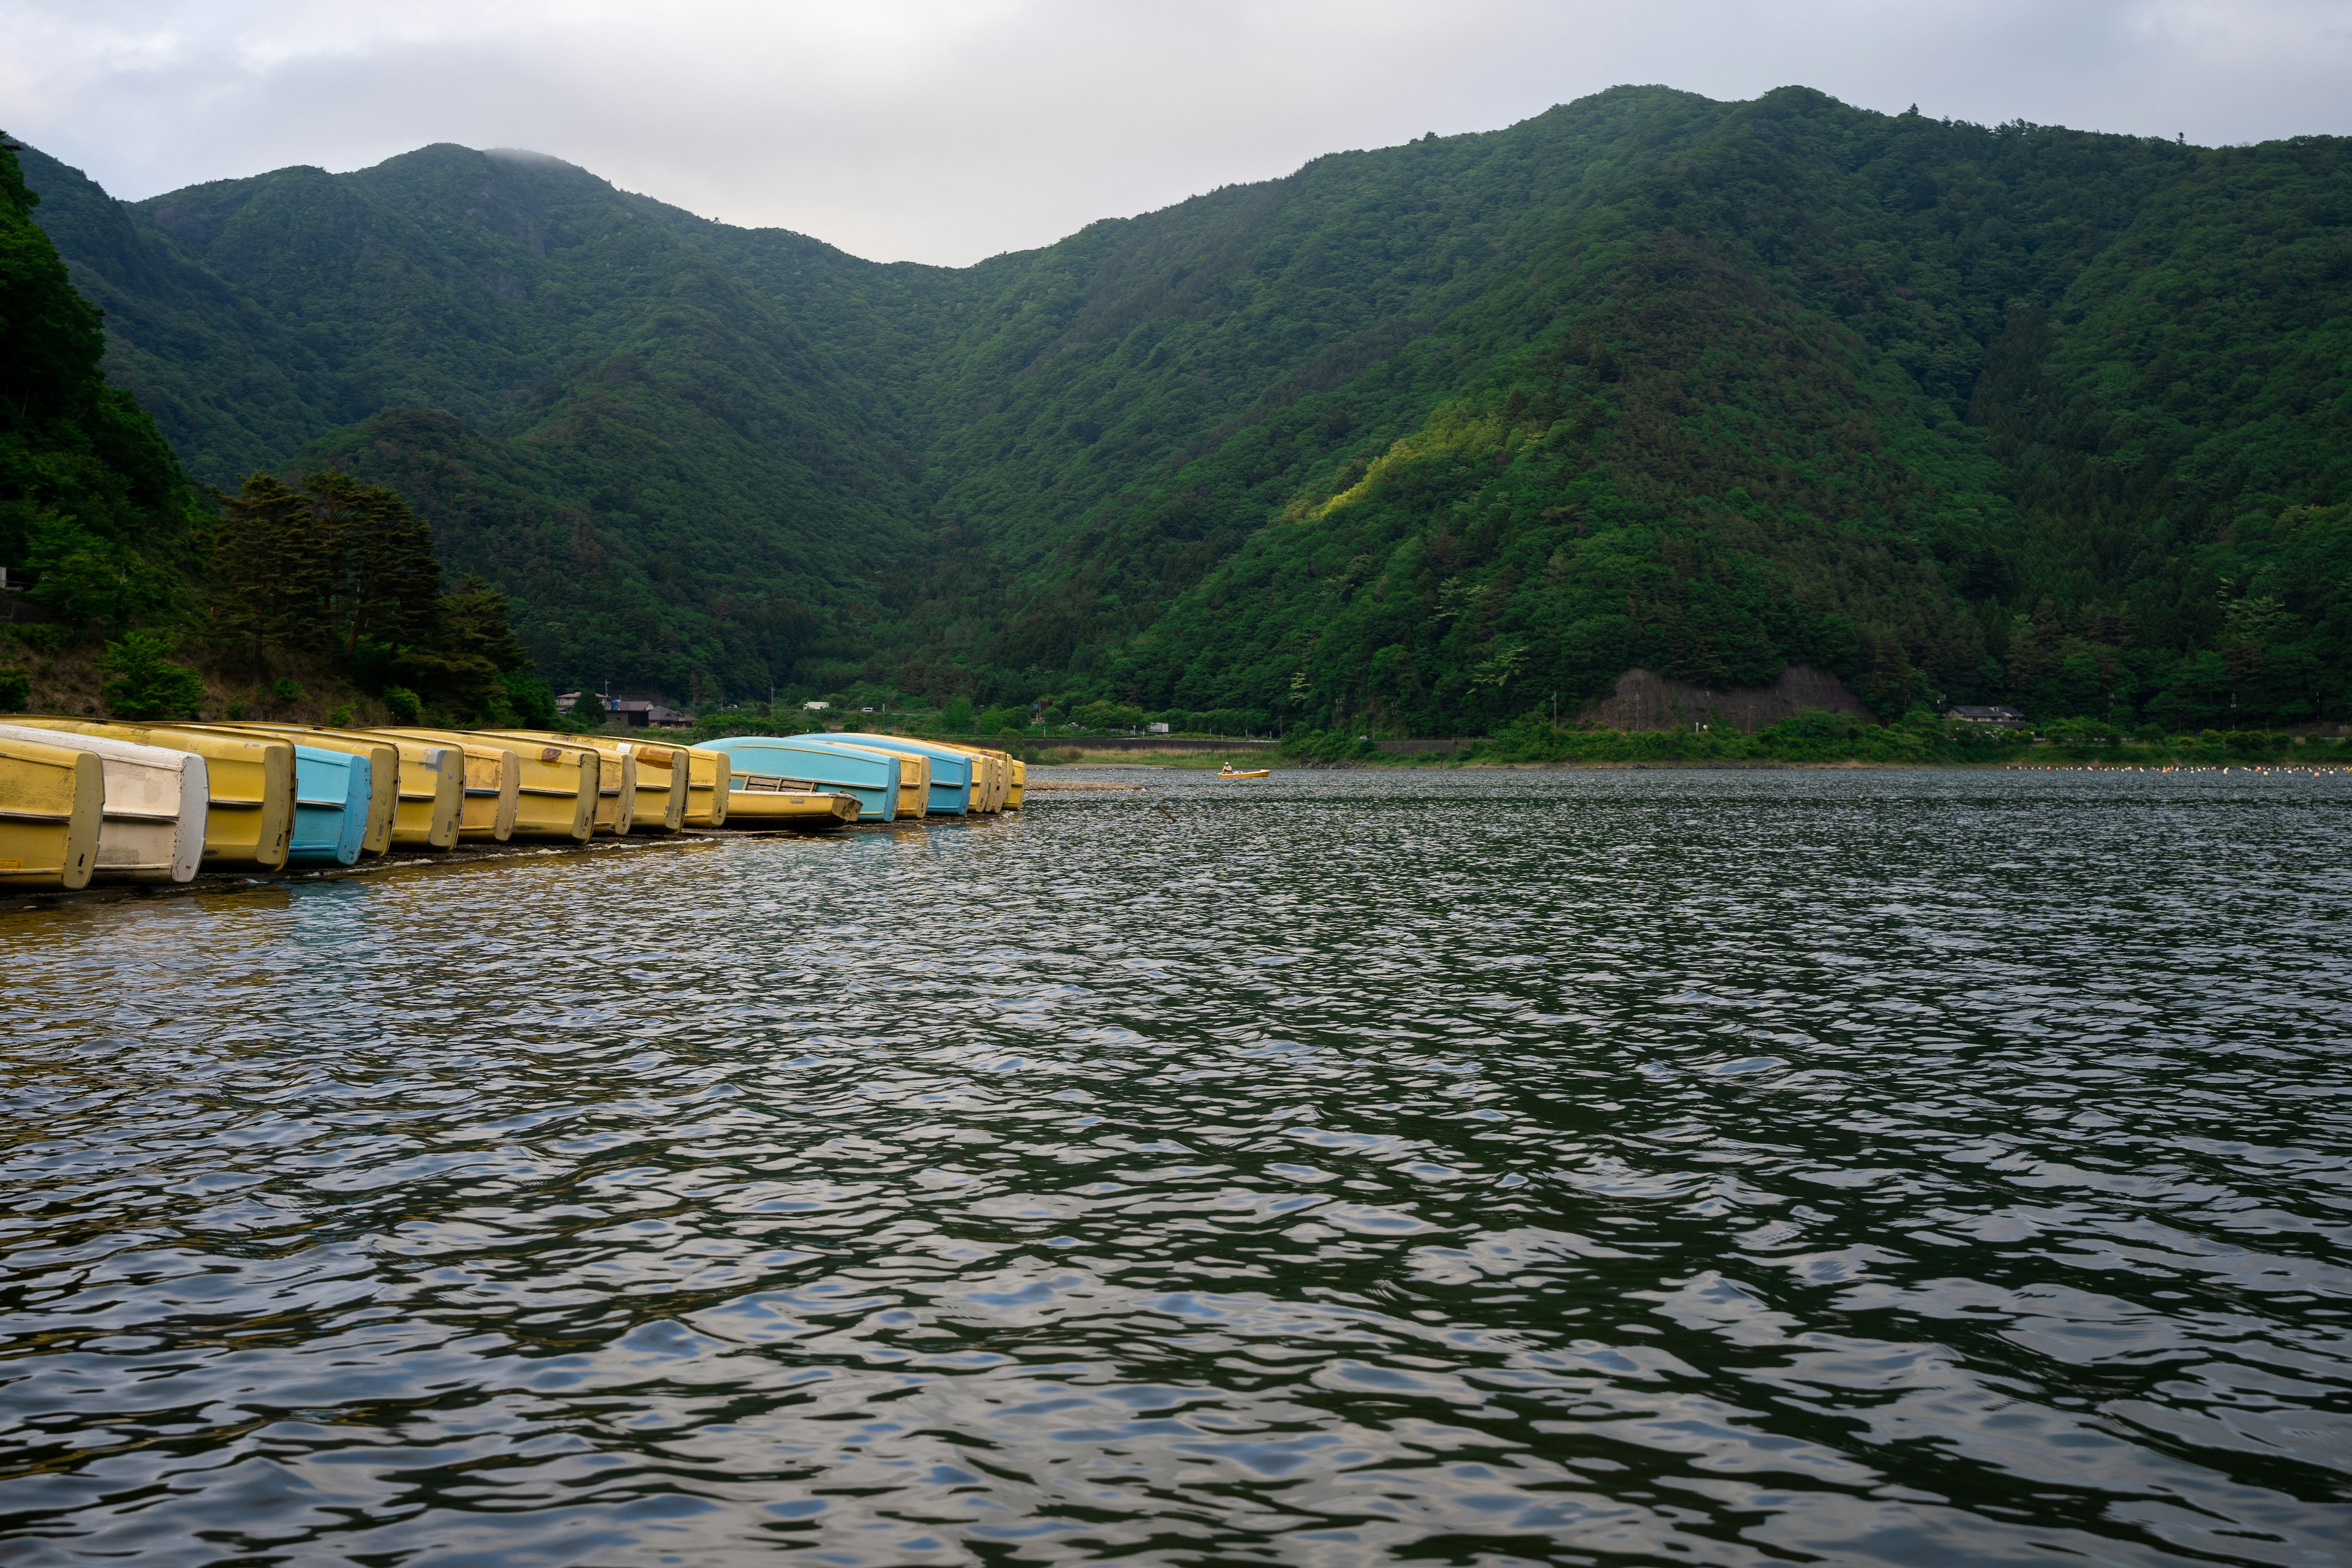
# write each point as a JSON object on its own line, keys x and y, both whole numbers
{"x": 1424, "y": 438}
{"x": 335, "y": 582}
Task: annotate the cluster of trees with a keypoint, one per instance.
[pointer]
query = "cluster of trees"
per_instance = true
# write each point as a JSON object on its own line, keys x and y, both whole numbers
{"x": 344, "y": 572}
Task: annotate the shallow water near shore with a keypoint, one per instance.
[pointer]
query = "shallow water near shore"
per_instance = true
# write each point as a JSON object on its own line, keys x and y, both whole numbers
{"x": 1858, "y": 1167}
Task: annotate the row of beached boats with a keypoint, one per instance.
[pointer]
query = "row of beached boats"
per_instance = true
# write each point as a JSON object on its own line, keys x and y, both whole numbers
{"x": 84, "y": 800}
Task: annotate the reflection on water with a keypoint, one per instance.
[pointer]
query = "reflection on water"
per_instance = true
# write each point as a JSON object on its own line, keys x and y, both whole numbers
{"x": 1694, "y": 1167}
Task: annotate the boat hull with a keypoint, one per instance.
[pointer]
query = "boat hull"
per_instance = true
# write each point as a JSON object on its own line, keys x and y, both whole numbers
{"x": 706, "y": 787}
{"x": 151, "y": 826}
{"x": 332, "y": 792}
{"x": 52, "y": 809}
{"x": 954, "y": 777}
{"x": 249, "y": 816}
{"x": 749, "y": 809}
{"x": 871, "y": 777}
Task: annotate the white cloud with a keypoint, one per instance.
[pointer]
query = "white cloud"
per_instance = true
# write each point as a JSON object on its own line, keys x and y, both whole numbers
{"x": 945, "y": 132}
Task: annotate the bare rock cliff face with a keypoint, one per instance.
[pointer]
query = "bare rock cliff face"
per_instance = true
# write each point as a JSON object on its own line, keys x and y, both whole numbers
{"x": 1644, "y": 700}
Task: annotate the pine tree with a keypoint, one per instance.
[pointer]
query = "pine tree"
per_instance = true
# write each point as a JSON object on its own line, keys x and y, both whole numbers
{"x": 387, "y": 584}
{"x": 472, "y": 644}
{"x": 272, "y": 569}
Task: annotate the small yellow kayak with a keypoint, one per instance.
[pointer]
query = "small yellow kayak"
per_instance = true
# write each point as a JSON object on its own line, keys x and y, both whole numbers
{"x": 1230, "y": 772}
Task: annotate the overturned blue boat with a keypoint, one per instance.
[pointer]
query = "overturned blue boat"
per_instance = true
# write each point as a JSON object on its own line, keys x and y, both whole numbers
{"x": 332, "y": 791}
{"x": 951, "y": 771}
{"x": 793, "y": 760}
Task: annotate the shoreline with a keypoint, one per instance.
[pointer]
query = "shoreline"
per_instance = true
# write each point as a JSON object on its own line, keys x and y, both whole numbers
{"x": 1185, "y": 763}
{"x": 411, "y": 860}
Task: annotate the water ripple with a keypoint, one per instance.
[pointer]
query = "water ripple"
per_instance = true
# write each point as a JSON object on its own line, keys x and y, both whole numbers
{"x": 1682, "y": 1167}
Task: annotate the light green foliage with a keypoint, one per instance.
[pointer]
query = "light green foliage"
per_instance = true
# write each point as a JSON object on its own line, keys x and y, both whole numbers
{"x": 145, "y": 684}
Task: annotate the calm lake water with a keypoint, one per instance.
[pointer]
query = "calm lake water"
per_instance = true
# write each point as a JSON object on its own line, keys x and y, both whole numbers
{"x": 1652, "y": 1166}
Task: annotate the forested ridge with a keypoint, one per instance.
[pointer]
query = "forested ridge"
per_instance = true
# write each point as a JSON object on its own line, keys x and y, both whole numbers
{"x": 1421, "y": 438}
{"x": 114, "y": 548}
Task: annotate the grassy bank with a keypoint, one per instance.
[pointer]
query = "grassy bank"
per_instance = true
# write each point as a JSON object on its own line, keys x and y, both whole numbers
{"x": 1826, "y": 739}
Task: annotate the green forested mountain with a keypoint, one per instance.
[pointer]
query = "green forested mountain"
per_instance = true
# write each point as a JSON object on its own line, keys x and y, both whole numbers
{"x": 1418, "y": 437}
{"x": 339, "y": 577}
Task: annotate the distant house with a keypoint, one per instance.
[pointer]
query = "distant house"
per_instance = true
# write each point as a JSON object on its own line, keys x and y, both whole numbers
{"x": 566, "y": 701}
{"x": 816, "y": 707}
{"x": 1155, "y": 729}
{"x": 639, "y": 714}
{"x": 1999, "y": 717}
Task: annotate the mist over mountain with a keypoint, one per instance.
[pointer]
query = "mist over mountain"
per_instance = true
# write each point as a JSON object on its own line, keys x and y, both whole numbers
{"x": 1420, "y": 437}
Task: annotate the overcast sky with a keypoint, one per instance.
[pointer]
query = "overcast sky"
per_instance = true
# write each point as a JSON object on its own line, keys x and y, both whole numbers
{"x": 947, "y": 132}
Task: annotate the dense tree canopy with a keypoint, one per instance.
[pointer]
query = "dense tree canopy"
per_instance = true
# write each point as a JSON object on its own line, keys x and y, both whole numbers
{"x": 1423, "y": 437}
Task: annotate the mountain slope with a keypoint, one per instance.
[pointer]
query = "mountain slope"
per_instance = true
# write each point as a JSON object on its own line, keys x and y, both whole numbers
{"x": 1420, "y": 436}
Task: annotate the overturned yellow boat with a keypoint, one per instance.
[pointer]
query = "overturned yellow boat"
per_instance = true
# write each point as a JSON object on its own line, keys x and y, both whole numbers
{"x": 489, "y": 783}
{"x": 557, "y": 787}
{"x": 249, "y": 816}
{"x": 151, "y": 824}
{"x": 52, "y": 804}
{"x": 706, "y": 792}
{"x": 428, "y": 778}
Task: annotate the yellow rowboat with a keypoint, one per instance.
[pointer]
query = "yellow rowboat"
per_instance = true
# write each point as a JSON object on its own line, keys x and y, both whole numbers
{"x": 755, "y": 800}
{"x": 249, "y": 816}
{"x": 661, "y": 786}
{"x": 615, "y": 771}
{"x": 1227, "y": 770}
{"x": 556, "y": 792}
{"x": 52, "y": 805}
{"x": 706, "y": 788}
{"x": 616, "y": 791}
{"x": 152, "y": 826}
{"x": 384, "y": 771}
{"x": 429, "y": 788}
{"x": 1020, "y": 782}
{"x": 490, "y": 791}
{"x": 659, "y": 790}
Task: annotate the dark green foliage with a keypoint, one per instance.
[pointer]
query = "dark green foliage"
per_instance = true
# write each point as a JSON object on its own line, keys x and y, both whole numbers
{"x": 345, "y": 570}
{"x": 1424, "y": 438}
{"x": 145, "y": 684}
{"x": 1916, "y": 739}
{"x": 16, "y": 688}
{"x": 90, "y": 499}
{"x": 529, "y": 698}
